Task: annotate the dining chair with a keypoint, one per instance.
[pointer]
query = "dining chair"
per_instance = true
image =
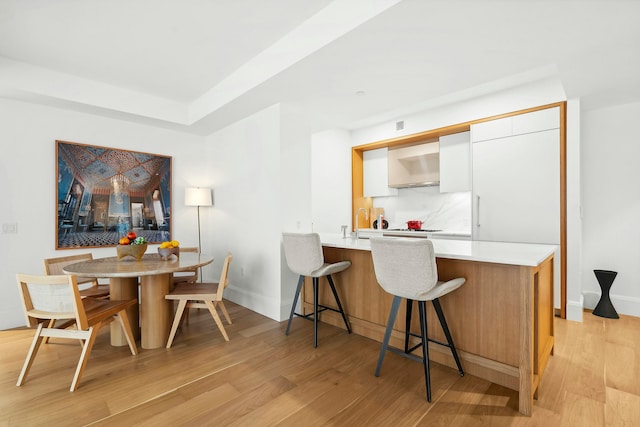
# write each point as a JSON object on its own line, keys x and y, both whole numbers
{"x": 188, "y": 276}
{"x": 303, "y": 252}
{"x": 201, "y": 295}
{"x": 406, "y": 268}
{"x": 56, "y": 297}
{"x": 54, "y": 266}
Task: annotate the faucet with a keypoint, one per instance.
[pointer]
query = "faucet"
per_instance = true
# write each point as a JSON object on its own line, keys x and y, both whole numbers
{"x": 366, "y": 217}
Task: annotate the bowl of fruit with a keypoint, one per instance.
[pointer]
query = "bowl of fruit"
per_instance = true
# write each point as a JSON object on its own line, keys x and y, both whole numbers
{"x": 131, "y": 245}
{"x": 168, "y": 248}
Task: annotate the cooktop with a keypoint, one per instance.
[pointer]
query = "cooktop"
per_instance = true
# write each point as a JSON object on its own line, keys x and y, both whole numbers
{"x": 413, "y": 229}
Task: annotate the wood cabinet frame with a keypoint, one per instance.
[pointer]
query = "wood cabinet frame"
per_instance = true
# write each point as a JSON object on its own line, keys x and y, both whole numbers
{"x": 357, "y": 186}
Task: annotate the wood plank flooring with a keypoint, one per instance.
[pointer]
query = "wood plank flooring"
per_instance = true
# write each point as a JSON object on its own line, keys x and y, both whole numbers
{"x": 262, "y": 378}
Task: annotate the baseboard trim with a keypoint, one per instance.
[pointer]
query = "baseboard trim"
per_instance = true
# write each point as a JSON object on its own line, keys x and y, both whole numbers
{"x": 575, "y": 310}
{"x": 623, "y": 304}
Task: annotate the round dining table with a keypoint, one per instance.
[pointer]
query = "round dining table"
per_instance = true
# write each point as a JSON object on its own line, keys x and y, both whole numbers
{"x": 155, "y": 277}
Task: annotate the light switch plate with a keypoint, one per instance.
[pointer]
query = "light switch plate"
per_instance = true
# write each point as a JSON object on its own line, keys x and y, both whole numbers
{"x": 9, "y": 228}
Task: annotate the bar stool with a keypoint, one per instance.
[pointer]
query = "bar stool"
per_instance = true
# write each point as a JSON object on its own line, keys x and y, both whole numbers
{"x": 303, "y": 252}
{"x": 406, "y": 268}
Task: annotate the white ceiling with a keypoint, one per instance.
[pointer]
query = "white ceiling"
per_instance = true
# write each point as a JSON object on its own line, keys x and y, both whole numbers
{"x": 199, "y": 65}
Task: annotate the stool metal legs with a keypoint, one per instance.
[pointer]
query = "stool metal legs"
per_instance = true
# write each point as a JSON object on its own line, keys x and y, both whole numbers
{"x": 447, "y": 334}
{"x": 422, "y": 309}
{"x": 317, "y": 307}
{"x": 295, "y": 302}
{"x": 387, "y": 333}
{"x": 335, "y": 295}
{"x": 424, "y": 338}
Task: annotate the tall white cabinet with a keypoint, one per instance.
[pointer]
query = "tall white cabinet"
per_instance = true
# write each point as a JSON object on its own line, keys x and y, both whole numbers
{"x": 516, "y": 180}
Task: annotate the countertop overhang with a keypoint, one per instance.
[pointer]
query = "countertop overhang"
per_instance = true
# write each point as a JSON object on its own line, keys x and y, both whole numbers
{"x": 526, "y": 254}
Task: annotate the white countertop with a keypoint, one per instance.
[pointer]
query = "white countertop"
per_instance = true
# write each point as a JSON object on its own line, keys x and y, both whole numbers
{"x": 527, "y": 254}
{"x": 372, "y": 232}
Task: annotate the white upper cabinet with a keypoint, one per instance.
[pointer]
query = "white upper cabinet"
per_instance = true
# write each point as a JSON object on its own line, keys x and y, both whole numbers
{"x": 536, "y": 121}
{"x": 375, "y": 174}
{"x": 455, "y": 162}
{"x": 493, "y": 129}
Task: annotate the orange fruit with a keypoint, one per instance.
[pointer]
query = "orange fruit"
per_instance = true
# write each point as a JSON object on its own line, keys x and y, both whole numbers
{"x": 124, "y": 241}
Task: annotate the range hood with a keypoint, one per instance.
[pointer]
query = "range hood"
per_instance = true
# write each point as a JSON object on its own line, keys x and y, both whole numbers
{"x": 415, "y": 165}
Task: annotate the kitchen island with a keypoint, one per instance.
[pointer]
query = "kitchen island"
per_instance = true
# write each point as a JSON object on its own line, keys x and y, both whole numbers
{"x": 501, "y": 319}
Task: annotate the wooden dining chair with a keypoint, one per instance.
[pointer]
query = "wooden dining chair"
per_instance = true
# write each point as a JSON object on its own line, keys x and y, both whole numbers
{"x": 188, "y": 276}
{"x": 57, "y": 297}
{"x": 201, "y": 295}
{"x": 54, "y": 266}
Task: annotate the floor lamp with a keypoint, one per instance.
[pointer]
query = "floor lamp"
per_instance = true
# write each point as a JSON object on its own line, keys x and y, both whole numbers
{"x": 196, "y": 196}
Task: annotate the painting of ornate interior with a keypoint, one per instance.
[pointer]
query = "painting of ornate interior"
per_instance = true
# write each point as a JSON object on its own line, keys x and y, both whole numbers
{"x": 104, "y": 193}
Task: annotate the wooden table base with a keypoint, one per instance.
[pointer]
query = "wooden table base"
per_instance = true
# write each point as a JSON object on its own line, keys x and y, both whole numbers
{"x": 156, "y": 312}
{"x": 124, "y": 288}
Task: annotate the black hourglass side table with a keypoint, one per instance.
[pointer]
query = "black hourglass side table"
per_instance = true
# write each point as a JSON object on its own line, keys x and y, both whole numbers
{"x": 605, "y": 308}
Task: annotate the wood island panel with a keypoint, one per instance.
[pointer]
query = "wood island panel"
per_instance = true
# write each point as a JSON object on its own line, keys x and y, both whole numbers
{"x": 501, "y": 319}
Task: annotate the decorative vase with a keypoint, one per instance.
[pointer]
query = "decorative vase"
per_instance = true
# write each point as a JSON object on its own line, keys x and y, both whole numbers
{"x": 135, "y": 251}
{"x": 605, "y": 307}
{"x": 165, "y": 253}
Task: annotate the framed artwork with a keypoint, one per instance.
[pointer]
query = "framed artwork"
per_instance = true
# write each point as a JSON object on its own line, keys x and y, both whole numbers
{"x": 105, "y": 193}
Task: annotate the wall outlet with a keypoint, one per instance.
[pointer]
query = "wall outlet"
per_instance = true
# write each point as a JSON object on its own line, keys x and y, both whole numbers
{"x": 9, "y": 228}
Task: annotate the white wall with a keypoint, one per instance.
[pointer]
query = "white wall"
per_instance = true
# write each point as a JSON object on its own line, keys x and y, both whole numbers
{"x": 28, "y": 178}
{"x": 260, "y": 172}
{"x": 575, "y": 300}
{"x": 611, "y": 204}
{"x": 331, "y": 180}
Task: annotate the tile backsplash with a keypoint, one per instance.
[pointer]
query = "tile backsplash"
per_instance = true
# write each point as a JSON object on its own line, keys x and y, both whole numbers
{"x": 444, "y": 211}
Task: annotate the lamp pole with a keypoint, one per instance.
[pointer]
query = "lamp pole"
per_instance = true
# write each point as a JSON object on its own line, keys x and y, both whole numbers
{"x": 198, "y": 197}
{"x": 199, "y": 240}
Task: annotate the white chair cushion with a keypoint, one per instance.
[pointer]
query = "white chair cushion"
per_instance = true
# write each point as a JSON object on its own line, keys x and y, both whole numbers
{"x": 407, "y": 268}
{"x": 303, "y": 252}
{"x": 327, "y": 269}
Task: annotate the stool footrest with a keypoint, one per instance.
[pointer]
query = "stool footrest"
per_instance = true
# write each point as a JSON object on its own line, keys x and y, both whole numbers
{"x": 402, "y": 353}
{"x": 309, "y": 316}
{"x": 317, "y": 307}
{"x": 412, "y": 349}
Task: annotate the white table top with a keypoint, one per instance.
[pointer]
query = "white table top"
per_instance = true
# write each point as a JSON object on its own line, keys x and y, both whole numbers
{"x": 527, "y": 254}
{"x": 150, "y": 264}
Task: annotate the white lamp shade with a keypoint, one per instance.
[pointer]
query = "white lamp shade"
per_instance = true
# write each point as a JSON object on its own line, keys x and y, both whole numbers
{"x": 198, "y": 197}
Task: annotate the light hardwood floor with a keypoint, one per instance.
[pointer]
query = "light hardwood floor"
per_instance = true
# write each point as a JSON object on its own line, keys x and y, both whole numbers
{"x": 261, "y": 377}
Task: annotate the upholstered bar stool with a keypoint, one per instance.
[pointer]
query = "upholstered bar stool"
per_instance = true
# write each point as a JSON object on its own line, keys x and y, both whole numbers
{"x": 303, "y": 252}
{"x": 406, "y": 268}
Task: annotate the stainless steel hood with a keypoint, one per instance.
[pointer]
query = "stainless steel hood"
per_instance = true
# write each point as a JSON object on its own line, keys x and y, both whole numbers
{"x": 415, "y": 165}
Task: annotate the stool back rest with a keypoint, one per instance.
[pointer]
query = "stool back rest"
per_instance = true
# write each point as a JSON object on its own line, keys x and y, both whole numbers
{"x": 51, "y": 297}
{"x": 303, "y": 252}
{"x": 404, "y": 267}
